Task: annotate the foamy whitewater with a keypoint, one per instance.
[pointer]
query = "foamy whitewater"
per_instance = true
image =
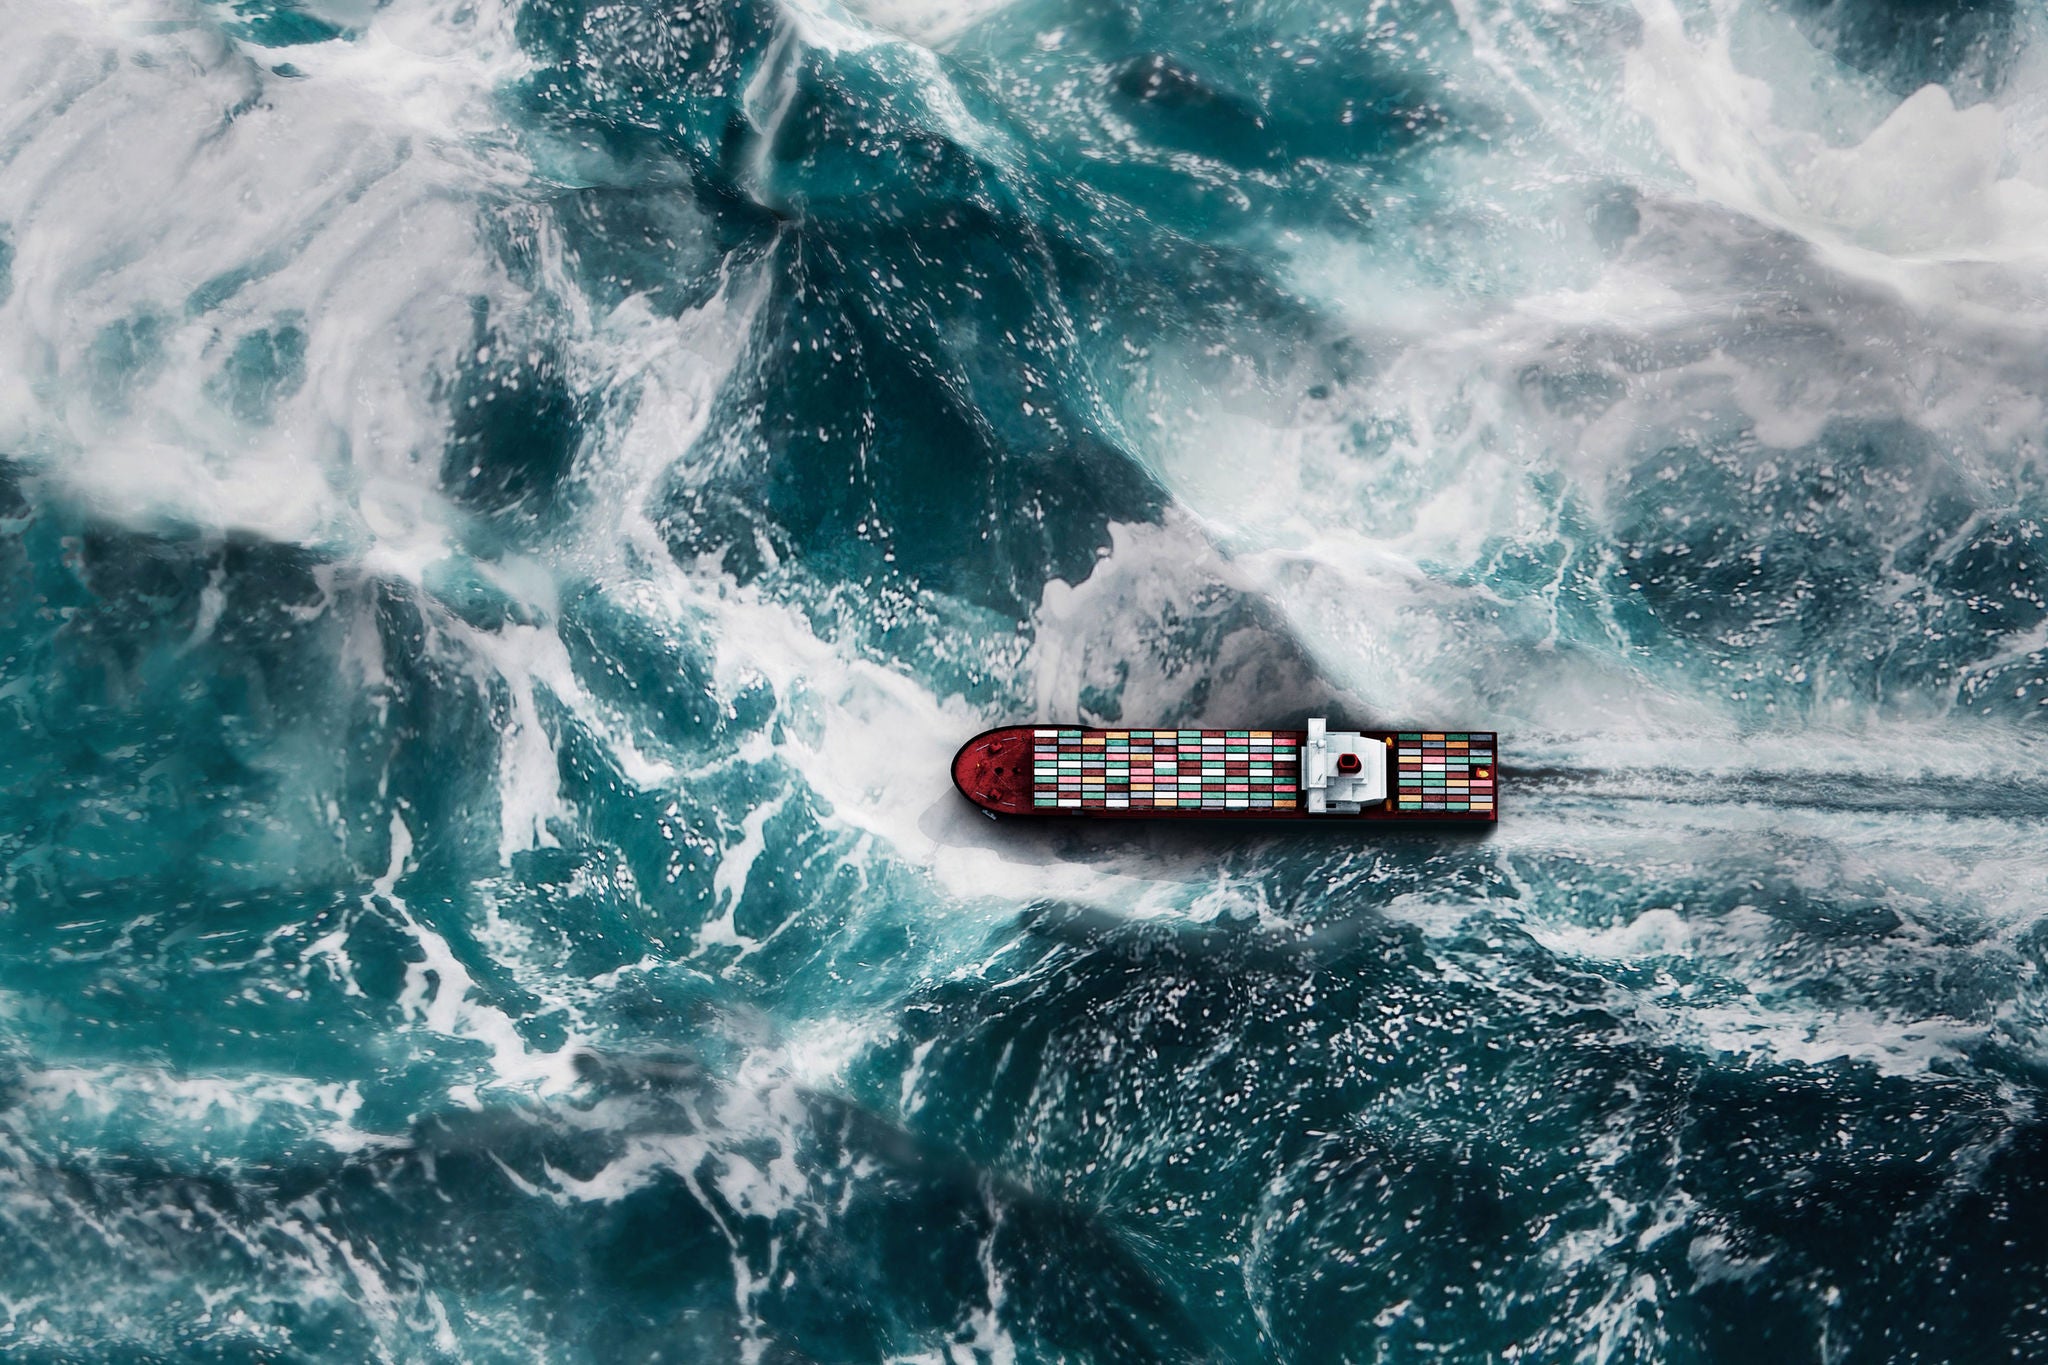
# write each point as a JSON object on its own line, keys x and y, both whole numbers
{"x": 509, "y": 506}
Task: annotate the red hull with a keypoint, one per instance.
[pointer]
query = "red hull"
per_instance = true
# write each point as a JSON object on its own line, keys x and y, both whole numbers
{"x": 1127, "y": 774}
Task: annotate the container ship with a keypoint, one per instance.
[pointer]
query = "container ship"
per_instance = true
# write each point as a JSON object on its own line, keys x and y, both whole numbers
{"x": 1312, "y": 774}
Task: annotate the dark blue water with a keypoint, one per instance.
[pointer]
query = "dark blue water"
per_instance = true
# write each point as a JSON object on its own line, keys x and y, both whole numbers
{"x": 508, "y": 508}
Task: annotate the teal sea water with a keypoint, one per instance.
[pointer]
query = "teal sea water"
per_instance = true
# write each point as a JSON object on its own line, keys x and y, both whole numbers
{"x": 508, "y": 506}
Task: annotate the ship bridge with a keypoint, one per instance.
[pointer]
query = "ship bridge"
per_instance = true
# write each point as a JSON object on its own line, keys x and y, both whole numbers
{"x": 1342, "y": 771}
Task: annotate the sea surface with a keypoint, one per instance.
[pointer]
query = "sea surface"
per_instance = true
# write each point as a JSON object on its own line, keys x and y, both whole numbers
{"x": 507, "y": 508}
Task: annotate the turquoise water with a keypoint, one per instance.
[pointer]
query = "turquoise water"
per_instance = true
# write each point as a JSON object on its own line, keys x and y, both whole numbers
{"x": 508, "y": 509}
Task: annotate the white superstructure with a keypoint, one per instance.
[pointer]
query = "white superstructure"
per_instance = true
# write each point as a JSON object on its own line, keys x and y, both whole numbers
{"x": 1342, "y": 770}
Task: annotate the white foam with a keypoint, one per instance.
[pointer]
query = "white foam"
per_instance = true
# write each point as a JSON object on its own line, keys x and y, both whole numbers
{"x": 1637, "y": 875}
{"x": 729, "y": 881}
{"x": 1930, "y": 185}
{"x": 149, "y": 187}
{"x": 930, "y": 23}
{"x": 440, "y": 996}
{"x": 229, "y": 1117}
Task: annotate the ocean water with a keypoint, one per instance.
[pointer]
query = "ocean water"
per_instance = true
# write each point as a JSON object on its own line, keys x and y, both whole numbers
{"x": 508, "y": 507}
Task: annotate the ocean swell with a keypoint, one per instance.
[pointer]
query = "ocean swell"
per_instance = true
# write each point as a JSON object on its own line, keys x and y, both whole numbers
{"x": 508, "y": 509}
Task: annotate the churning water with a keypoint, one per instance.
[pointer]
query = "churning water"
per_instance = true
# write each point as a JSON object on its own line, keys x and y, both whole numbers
{"x": 509, "y": 505}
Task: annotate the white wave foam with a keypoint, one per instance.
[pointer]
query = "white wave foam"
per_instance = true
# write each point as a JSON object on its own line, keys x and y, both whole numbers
{"x": 168, "y": 195}
{"x": 224, "y": 1118}
{"x": 440, "y": 995}
{"x": 1906, "y": 288}
{"x": 930, "y": 23}
{"x": 1928, "y": 183}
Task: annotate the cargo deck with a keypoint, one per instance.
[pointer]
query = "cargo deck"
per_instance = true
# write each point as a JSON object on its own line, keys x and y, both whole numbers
{"x": 1315, "y": 773}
